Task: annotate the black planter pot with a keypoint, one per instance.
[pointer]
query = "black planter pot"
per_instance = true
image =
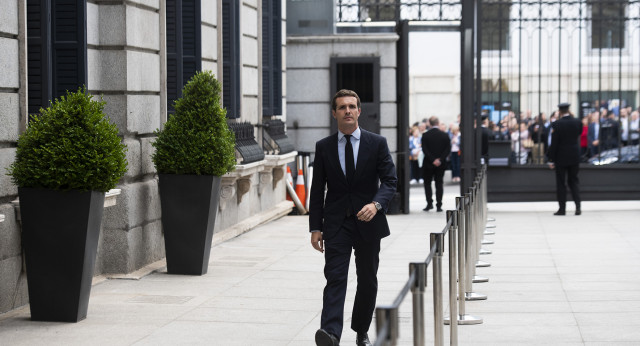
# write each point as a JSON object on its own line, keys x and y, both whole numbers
{"x": 189, "y": 206}
{"x": 60, "y": 231}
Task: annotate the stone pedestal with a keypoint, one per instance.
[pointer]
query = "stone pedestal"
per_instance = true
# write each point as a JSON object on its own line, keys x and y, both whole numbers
{"x": 252, "y": 189}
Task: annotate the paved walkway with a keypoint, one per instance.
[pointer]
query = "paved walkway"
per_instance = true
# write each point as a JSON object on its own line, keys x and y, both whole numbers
{"x": 554, "y": 280}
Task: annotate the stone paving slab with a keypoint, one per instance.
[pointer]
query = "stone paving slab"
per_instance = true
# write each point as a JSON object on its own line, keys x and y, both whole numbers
{"x": 569, "y": 280}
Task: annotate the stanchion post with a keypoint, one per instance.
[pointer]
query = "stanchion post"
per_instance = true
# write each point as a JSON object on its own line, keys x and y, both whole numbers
{"x": 462, "y": 248}
{"x": 417, "y": 291}
{"x": 453, "y": 274}
{"x": 470, "y": 241}
{"x": 388, "y": 314}
{"x": 470, "y": 258}
{"x": 462, "y": 203}
{"x": 478, "y": 226}
{"x": 438, "y": 311}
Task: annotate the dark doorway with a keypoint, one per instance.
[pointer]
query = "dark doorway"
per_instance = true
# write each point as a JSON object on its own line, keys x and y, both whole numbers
{"x": 361, "y": 75}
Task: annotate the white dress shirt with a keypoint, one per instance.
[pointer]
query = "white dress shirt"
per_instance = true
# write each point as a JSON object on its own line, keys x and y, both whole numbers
{"x": 355, "y": 144}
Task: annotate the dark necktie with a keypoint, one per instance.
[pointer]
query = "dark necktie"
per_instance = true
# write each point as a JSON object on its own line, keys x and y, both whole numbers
{"x": 348, "y": 159}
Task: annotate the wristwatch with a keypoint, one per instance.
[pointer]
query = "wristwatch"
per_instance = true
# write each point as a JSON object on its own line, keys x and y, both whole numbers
{"x": 378, "y": 205}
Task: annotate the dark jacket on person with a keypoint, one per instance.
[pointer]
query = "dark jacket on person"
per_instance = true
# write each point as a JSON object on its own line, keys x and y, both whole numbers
{"x": 484, "y": 142}
{"x": 565, "y": 141}
{"x": 435, "y": 145}
{"x": 374, "y": 180}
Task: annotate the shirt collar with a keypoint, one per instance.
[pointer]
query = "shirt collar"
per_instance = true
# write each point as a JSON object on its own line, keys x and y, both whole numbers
{"x": 356, "y": 134}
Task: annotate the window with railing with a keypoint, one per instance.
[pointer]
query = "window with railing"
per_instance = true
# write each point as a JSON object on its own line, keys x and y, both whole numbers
{"x": 495, "y": 25}
{"x": 608, "y": 24}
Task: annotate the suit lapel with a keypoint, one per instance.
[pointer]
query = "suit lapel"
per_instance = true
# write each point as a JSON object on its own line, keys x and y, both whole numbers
{"x": 363, "y": 154}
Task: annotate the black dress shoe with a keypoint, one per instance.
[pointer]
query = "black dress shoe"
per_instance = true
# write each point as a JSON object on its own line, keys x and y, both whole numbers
{"x": 560, "y": 212}
{"x": 439, "y": 209}
{"x": 578, "y": 212}
{"x": 323, "y": 338}
{"x": 428, "y": 207}
{"x": 363, "y": 339}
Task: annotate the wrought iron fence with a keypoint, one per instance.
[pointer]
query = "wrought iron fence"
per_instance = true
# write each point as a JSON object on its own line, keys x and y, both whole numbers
{"x": 395, "y": 10}
{"x": 535, "y": 54}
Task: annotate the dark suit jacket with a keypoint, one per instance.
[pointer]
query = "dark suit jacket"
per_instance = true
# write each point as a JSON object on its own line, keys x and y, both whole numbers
{"x": 565, "y": 142}
{"x": 374, "y": 180}
{"x": 484, "y": 143}
{"x": 435, "y": 144}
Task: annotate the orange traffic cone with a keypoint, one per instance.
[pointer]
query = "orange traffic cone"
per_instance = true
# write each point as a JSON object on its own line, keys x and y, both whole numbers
{"x": 289, "y": 181}
{"x": 301, "y": 191}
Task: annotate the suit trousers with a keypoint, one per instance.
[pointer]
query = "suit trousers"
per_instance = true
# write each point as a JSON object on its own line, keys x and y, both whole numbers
{"x": 337, "y": 254}
{"x": 570, "y": 175}
{"x": 432, "y": 172}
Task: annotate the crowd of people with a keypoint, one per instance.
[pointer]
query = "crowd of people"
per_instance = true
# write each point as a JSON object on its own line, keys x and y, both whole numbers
{"x": 530, "y": 138}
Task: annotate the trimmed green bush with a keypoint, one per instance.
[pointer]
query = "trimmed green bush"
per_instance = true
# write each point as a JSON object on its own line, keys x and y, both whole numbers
{"x": 196, "y": 139}
{"x": 71, "y": 145}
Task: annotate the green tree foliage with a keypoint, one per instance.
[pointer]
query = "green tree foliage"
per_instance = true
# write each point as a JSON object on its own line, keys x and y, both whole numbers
{"x": 196, "y": 139}
{"x": 71, "y": 145}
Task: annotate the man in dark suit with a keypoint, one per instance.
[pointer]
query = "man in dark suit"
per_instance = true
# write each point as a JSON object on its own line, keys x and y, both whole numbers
{"x": 436, "y": 147}
{"x": 484, "y": 139}
{"x": 356, "y": 169}
{"x": 564, "y": 157}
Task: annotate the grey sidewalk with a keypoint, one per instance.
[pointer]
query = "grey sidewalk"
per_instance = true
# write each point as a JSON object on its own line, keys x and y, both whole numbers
{"x": 554, "y": 280}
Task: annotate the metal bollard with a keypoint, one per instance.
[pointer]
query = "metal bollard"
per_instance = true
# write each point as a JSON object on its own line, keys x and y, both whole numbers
{"x": 453, "y": 275}
{"x": 470, "y": 258}
{"x": 483, "y": 208}
{"x": 463, "y": 318}
{"x": 477, "y": 216}
{"x": 477, "y": 225}
{"x": 438, "y": 311}
{"x": 390, "y": 314}
{"x": 417, "y": 291}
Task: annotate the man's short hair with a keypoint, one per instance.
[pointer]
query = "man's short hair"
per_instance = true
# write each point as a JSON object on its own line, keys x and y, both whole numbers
{"x": 344, "y": 93}
{"x": 433, "y": 121}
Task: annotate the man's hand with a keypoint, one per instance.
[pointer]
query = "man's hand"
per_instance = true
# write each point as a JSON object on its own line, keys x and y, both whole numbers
{"x": 367, "y": 212}
{"x": 316, "y": 241}
{"x": 551, "y": 165}
{"x": 595, "y": 143}
{"x": 437, "y": 162}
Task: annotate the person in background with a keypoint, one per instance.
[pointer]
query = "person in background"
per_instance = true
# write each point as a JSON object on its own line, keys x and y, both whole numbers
{"x": 415, "y": 147}
{"x": 436, "y": 147}
{"x": 539, "y": 131}
{"x": 624, "y": 126}
{"x": 634, "y": 128}
{"x": 584, "y": 140}
{"x": 593, "y": 134}
{"x": 484, "y": 139}
{"x": 455, "y": 153}
{"x": 519, "y": 140}
{"x": 564, "y": 157}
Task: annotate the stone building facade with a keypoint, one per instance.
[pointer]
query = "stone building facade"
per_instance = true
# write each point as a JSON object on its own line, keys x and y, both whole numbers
{"x": 137, "y": 54}
{"x": 313, "y": 69}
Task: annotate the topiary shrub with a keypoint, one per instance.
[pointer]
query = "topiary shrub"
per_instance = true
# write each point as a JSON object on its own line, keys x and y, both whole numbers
{"x": 196, "y": 139}
{"x": 71, "y": 145}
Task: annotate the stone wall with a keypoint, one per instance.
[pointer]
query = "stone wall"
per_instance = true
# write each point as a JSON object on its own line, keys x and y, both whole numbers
{"x": 309, "y": 79}
{"x": 13, "y": 283}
